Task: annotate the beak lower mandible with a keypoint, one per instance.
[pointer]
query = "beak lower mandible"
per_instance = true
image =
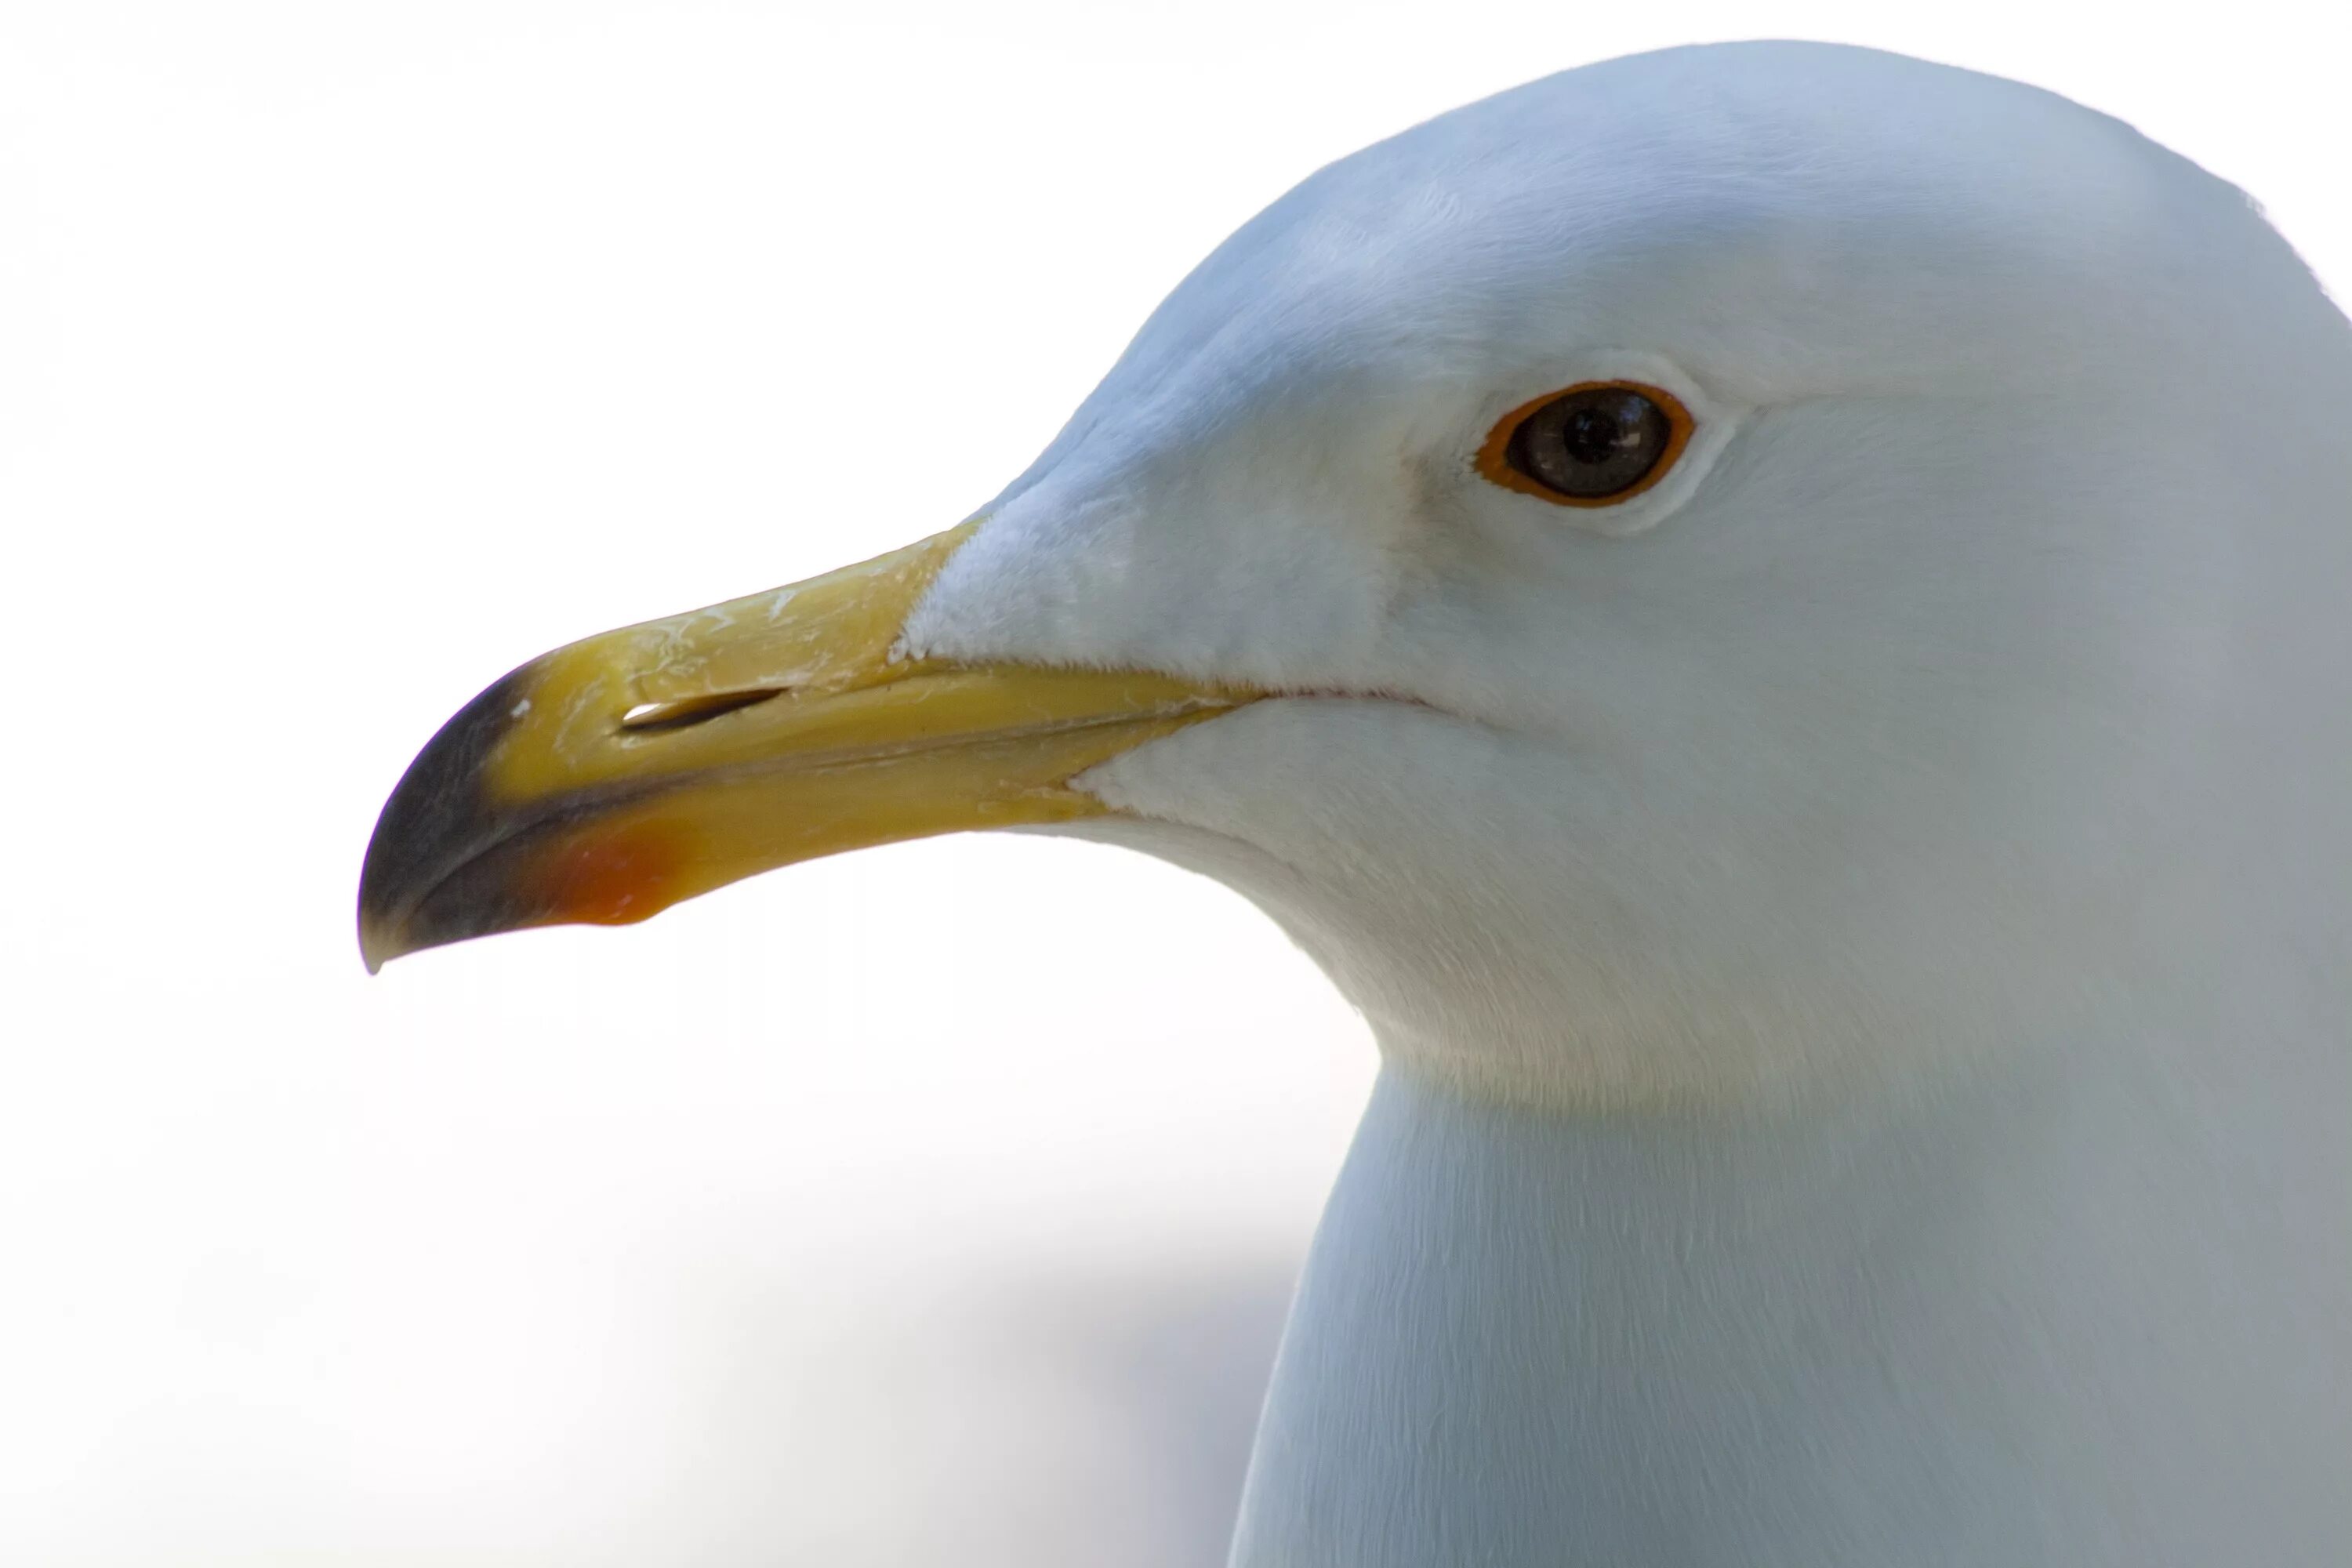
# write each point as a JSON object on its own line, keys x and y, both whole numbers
{"x": 608, "y": 780}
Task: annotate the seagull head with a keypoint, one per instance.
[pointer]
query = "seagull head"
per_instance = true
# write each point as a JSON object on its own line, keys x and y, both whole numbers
{"x": 1701, "y": 576}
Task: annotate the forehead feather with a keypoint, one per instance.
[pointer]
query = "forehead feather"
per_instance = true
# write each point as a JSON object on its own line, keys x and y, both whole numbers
{"x": 1798, "y": 217}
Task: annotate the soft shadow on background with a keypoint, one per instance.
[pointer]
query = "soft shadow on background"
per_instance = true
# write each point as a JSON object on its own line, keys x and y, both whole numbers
{"x": 1068, "y": 1416}
{"x": 933, "y": 1206}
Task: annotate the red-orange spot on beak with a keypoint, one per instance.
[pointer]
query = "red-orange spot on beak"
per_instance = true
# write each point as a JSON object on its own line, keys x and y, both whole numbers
{"x": 614, "y": 874}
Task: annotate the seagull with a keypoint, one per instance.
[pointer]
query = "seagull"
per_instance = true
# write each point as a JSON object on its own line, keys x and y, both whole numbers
{"x": 1775, "y": 616}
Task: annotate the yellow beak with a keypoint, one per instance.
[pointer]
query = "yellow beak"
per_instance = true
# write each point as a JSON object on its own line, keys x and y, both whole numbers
{"x": 608, "y": 780}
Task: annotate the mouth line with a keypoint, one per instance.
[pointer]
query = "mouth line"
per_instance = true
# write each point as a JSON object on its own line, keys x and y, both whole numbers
{"x": 495, "y": 875}
{"x": 593, "y": 800}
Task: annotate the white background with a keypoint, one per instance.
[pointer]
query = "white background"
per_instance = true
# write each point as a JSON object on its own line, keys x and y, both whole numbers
{"x": 934, "y": 1205}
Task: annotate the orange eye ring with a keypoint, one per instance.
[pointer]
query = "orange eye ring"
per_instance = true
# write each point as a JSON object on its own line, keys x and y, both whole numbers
{"x": 1496, "y": 459}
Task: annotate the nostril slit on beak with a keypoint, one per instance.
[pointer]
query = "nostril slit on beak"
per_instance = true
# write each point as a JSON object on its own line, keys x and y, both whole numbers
{"x": 653, "y": 718}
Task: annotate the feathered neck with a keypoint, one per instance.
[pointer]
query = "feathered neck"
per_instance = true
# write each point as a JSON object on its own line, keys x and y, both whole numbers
{"x": 2097, "y": 1307}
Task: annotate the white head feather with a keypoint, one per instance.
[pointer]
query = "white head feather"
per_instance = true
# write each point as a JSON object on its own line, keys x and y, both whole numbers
{"x": 1977, "y": 677}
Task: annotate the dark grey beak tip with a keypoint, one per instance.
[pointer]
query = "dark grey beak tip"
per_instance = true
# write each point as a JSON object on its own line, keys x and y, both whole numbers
{"x": 436, "y": 821}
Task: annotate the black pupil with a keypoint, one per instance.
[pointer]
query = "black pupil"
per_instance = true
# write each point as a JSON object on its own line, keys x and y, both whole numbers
{"x": 1591, "y": 444}
{"x": 1596, "y": 435}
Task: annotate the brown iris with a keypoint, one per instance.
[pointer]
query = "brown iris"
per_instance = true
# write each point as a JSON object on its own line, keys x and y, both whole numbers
{"x": 1595, "y": 444}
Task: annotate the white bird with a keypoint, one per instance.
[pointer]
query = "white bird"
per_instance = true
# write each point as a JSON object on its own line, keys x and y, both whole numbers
{"x": 1776, "y": 617}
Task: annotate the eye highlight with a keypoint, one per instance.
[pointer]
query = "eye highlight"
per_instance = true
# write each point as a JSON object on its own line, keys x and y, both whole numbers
{"x": 1598, "y": 442}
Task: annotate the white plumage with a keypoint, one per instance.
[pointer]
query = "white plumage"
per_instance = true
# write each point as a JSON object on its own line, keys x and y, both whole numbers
{"x": 1853, "y": 906}
{"x": 1857, "y": 935}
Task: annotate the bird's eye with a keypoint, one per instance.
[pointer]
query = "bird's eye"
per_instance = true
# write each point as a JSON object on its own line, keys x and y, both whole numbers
{"x": 1592, "y": 445}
